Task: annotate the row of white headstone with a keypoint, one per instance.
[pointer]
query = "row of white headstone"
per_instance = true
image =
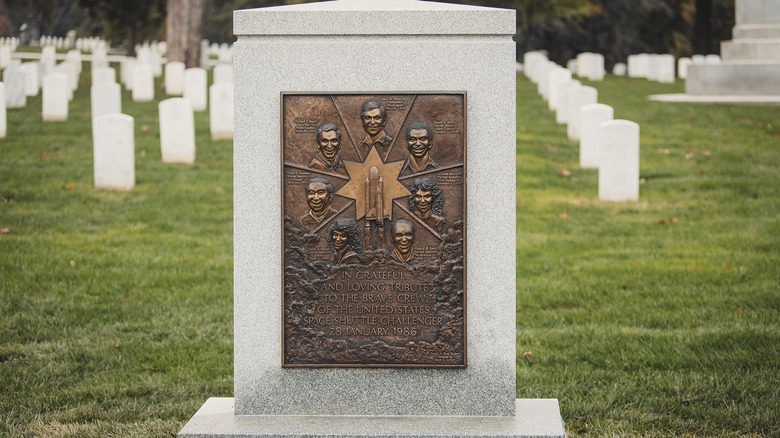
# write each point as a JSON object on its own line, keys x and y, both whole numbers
{"x": 191, "y": 83}
{"x": 151, "y": 56}
{"x": 113, "y": 136}
{"x": 12, "y": 42}
{"x": 114, "y": 141}
{"x": 160, "y": 47}
{"x": 5, "y": 55}
{"x": 22, "y": 80}
{"x": 223, "y": 52}
{"x": 611, "y": 146}
{"x": 112, "y": 131}
{"x": 176, "y": 117}
{"x": 86, "y": 44}
{"x": 149, "y": 52}
{"x": 152, "y": 53}
{"x": 661, "y": 68}
{"x": 47, "y": 59}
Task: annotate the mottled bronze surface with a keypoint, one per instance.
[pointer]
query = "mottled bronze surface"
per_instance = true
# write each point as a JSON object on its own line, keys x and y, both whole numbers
{"x": 374, "y": 209}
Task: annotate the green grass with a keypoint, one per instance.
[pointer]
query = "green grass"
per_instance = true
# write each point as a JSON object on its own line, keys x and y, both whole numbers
{"x": 116, "y": 308}
{"x": 659, "y": 317}
{"x": 653, "y": 318}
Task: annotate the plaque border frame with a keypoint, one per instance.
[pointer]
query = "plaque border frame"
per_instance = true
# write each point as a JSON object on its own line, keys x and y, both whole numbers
{"x": 283, "y": 187}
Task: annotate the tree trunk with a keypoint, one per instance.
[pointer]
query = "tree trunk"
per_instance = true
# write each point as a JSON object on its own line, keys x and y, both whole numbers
{"x": 184, "y": 27}
{"x": 702, "y": 29}
{"x": 131, "y": 39}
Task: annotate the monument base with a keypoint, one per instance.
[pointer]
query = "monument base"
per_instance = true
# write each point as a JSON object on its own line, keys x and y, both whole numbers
{"x": 534, "y": 418}
{"x": 752, "y": 79}
{"x": 725, "y": 99}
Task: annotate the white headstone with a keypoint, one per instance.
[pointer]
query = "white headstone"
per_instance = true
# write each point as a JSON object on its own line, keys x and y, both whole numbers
{"x": 666, "y": 72}
{"x": 590, "y": 66}
{"x": 619, "y": 165}
{"x": 47, "y": 61}
{"x": 619, "y": 69}
{"x": 638, "y": 65}
{"x": 5, "y": 56}
{"x": 143, "y": 55}
{"x": 221, "y": 110}
{"x": 15, "y": 87}
{"x": 698, "y": 59}
{"x": 223, "y": 73}
{"x": 557, "y": 77}
{"x": 682, "y": 67}
{"x": 591, "y": 136}
{"x": 577, "y": 99}
{"x": 143, "y": 83}
{"x": 114, "y": 149}
{"x": 531, "y": 63}
{"x": 174, "y": 78}
{"x": 55, "y": 97}
{"x": 225, "y": 56}
{"x": 195, "y": 88}
{"x": 103, "y": 75}
{"x": 126, "y": 72}
{"x": 653, "y": 67}
{"x": 106, "y": 98}
{"x": 32, "y": 80}
{"x": 564, "y": 90}
{"x": 67, "y": 70}
{"x": 571, "y": 65}
{"x": 155, "y": 61}
{"x": 596, "y": 71}
{"x": 544, "y": 71}
{"x": 204, "y": 53}
{"x": 712, "y": 60}
{"x": 74, "y": 79}
{"x": 631, "y": 66}
{"x": 74, "y": 56}
{"x": 3, "y": 118}
{"x": 70, "y": 72}
{"x": 583, "y": 64}
{"x": 99, "y": 59}
{"x": 177, "y": 131}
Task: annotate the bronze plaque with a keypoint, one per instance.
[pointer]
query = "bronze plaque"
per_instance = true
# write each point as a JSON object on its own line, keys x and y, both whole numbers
{"x": 374, "y": 212}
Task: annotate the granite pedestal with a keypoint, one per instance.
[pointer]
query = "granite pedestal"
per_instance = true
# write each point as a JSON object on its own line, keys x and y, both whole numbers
{"x": 536, "y": 418}
{"x": 364, "y": 47}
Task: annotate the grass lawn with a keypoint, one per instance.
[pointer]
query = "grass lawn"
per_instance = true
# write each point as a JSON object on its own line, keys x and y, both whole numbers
{"x": 654, "y": 318}
{"x": 116, "y": 308}
{"x": 659, "y": 317}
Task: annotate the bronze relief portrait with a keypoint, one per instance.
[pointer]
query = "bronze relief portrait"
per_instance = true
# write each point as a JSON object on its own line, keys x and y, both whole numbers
{"x": 374, "y": 212}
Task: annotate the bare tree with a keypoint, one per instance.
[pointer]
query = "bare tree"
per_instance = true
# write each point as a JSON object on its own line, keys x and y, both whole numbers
{"x": 702, "y": 29}
{"x": 184, "y": 28}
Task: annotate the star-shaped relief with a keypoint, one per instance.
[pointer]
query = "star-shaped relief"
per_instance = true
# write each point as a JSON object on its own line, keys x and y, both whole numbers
{"x": 359, "y": 176}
